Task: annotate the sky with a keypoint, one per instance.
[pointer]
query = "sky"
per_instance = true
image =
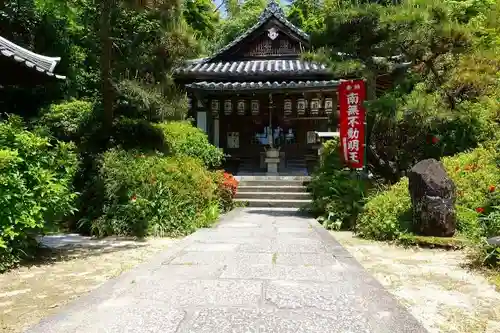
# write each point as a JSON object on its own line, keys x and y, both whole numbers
{"x": 218, "y": 2}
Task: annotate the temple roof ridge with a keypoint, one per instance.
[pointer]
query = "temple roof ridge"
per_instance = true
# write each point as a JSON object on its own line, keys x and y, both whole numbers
{"x": 273, "y": 9}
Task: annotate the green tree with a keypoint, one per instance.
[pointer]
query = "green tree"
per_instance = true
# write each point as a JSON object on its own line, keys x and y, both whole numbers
{"x": 306, "y": 14}
{"x": 172, "y": 41}
{"x": 433, "y": 98}
{"x": 241, "y": 17}
{"x": 202, "y": 16}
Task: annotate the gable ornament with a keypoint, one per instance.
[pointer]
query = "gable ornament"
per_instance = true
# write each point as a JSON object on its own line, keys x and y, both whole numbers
{"x": 273, "y": 33}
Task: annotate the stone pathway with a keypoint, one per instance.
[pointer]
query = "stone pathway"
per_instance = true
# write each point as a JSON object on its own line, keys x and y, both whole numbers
{"x": 257, "y": 271}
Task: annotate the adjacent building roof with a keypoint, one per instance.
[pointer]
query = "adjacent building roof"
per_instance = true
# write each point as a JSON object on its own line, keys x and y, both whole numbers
{"x": 254, "y": 67}
{"x": 267, "y": 85}
{"x": 30, "y": 59}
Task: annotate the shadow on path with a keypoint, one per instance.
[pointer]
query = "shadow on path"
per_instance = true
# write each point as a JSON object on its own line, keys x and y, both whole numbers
{"x": 284, "y": 212}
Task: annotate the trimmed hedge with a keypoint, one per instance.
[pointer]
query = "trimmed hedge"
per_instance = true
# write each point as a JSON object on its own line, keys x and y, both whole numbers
{"x": 183, "y": 139}
{"x": 66, "y": 120}
{"x": 154, "y": 195}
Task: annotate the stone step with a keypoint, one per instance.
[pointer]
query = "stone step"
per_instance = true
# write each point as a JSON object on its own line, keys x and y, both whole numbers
{"x": 273, "y": 195}
{"x": 274, "y": 203}
{"x": 274, "y": 178}
{"x": 246, "y": 189}
{"x": 273, "y": 183}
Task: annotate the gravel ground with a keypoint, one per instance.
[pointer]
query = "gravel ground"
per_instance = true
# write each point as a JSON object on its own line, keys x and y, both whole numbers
{"x": 432, "y": 284}
{"x": 77, "y": 266}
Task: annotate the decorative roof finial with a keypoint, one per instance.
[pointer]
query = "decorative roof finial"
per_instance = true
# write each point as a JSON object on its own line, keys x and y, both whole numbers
{"x": 273, "y": 8}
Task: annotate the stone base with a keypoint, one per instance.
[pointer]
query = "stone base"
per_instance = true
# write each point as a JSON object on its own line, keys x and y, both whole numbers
{"x": 262, "y": 161}
{"x": 272, "y": 165}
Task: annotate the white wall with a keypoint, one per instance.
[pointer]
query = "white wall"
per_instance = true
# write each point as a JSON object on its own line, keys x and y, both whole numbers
{"x": 201, "y": 121}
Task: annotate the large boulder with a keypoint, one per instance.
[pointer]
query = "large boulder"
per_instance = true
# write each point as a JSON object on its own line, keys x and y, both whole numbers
{"x": 433, "y": 196}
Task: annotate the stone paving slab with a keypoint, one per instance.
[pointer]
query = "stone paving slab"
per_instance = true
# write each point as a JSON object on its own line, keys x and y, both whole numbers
{"x": 222, "y": 258}
{"x": 255, "y": 271}
{"x": 200, "y": 292}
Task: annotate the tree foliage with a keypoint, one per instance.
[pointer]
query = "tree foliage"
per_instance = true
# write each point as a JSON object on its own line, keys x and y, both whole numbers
{"x": 446, "y": 102}
{"x": 240, "y": 17}
{"x": 202, "y": 16}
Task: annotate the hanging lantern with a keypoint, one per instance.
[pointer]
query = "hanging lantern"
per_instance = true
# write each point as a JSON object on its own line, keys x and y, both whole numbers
{"x": 315, "y": 106}
{"x": 241, "y": 107}
{"x": 255, "y": 107}
{"x": 287, "y": 107}
{"x": 215, "y": 107}
{"x": 301, "y": 106}
{"x": 228, "y": 107}
{"x": 329, "y": 105}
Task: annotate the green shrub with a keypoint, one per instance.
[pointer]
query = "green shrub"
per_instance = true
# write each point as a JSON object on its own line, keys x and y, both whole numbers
{"x": 387, "y": 214}
{"x": 473, "y": 173}
{"x": 483, "y": 253}
{"x": 338, "y": 193}
{"x": 137, "y": 134}
{"x": 35, "y": 188}
{"x": 183, "y": 139}
{"x": 154, "y": 195}
{"x": 66, "y": 120}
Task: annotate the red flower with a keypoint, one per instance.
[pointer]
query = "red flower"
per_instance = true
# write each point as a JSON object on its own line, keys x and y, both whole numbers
{"x": 480, "y": 210}
{"x": 491, "y": 188}
{"x": 435, "y": 139}
{"x": 230, "y": 184}
{"x": 133, "y": 198}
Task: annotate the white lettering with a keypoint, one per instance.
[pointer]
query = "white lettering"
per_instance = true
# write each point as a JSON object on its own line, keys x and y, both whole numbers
{"x": 353, "y": 156}
{"x": 353, "y": 110}
{"x": 353, "y": 145}
{"x": 352, "y": 133}
{"x": 352, "y": 121}
{"x": 353, "y": 98}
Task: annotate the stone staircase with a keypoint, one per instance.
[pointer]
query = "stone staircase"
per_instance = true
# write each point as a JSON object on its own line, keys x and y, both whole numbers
{"x": 273, "y": 191}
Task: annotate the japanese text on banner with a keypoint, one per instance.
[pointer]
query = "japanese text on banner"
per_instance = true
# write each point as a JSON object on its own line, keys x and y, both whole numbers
{"x": 352, "y": 95}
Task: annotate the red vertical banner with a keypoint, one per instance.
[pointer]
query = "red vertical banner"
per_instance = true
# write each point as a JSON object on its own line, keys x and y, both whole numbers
{"x": 352, "y": 95}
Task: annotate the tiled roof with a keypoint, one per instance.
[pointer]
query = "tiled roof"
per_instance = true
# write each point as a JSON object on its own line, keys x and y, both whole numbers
{"x": 273, "y": 9}
{"x": 262, "y": 85}
{"x": 255, "y": 67}
{"x": 30, "y": 59}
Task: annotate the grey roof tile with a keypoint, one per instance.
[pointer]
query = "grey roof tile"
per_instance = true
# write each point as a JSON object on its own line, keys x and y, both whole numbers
{"x": 255, "y": 67}
{"x": 30, "y": 59}
{"x": 206, "y": 85}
